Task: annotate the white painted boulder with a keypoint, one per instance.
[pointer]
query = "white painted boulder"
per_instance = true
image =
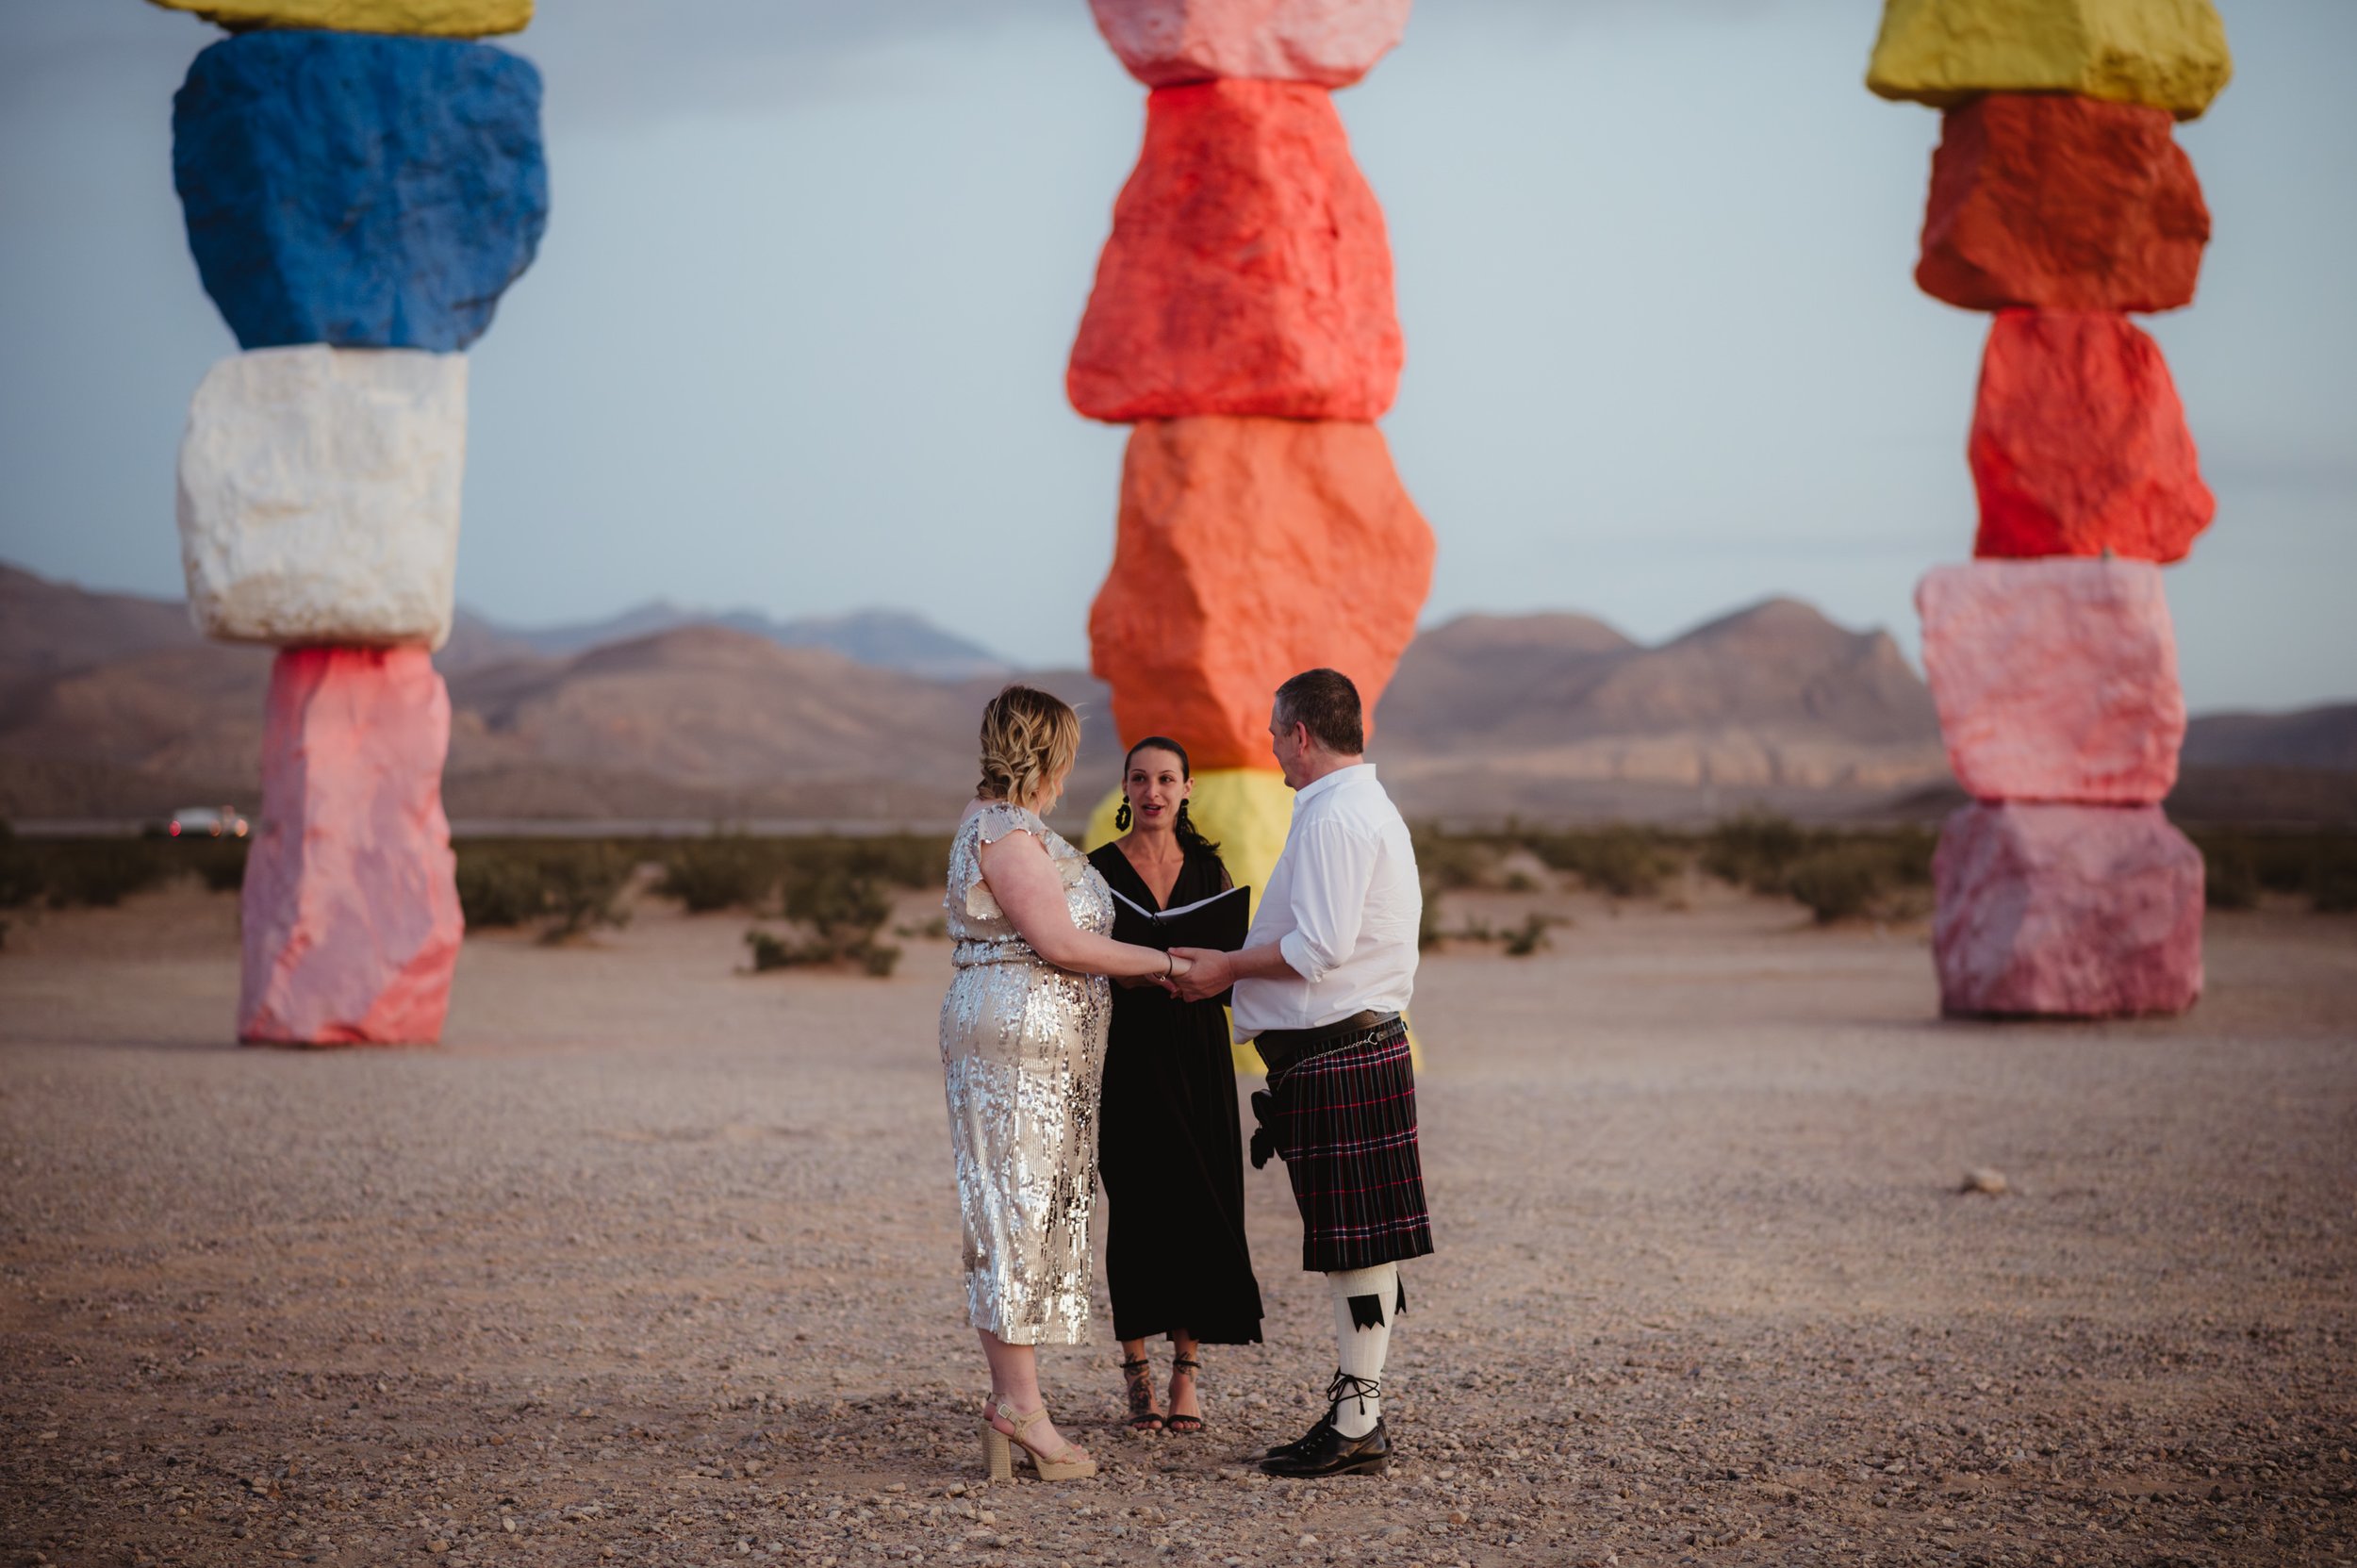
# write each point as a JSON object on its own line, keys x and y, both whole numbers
{"x": 319, "y": 496}
{"x": 2066, "y": 911}
{"x": 2055, "y": 679}
{"x": 1326, "y": 42}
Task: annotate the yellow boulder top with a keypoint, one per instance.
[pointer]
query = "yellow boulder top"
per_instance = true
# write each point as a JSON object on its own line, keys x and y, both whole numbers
{"x": 418, "y": 18}
{"x": 2165, "y": 53}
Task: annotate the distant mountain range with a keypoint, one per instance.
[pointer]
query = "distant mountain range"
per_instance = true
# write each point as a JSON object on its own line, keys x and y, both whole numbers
{"x": 111, "y": 706}
{"x": 888, "y": 639}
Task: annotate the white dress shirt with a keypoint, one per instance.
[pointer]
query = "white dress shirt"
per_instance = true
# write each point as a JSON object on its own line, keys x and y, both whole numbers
{"x": 1343, "y": 905}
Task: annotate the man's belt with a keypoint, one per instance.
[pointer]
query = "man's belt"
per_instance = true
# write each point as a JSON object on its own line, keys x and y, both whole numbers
{"x": 1282, "y": 1049}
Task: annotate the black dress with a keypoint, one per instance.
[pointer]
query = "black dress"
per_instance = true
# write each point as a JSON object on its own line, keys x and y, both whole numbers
{"x": 1169, "y": 1149}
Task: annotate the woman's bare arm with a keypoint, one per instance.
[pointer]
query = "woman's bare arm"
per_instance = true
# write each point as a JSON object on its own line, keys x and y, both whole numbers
{"x": 1026, "y": 883}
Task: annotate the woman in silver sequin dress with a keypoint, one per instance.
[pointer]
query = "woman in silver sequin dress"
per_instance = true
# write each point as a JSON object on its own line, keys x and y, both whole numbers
{"x": 1023, "y": 1054}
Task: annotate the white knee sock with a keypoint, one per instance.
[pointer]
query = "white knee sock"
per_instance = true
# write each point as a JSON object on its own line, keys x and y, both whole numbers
{"x": 1365, "y": 1301}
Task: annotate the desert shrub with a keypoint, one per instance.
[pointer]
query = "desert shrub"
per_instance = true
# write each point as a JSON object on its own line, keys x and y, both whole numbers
{"x": 496, "y": 890}
{"x": 19, "y": 872}
{"x": 725, "y": 871}
{"x": 2230, "y": 874}
{"x": 842, "y": 914}
{"x": 584, "y": 889}
{"x": 219, "y": 863}
{"x": 1755, "y": 851}
{"x": 1530, "y": 937}
{"x": 2332, "y": 884}
{"x": 566, "y": 886}
{"x": 889, "y": 860}
{"x": 99, "y": 873}
{"x": 1841, "y": 881}
{"x": 1450, "y": 862}
{"x": 1618, "y": 860}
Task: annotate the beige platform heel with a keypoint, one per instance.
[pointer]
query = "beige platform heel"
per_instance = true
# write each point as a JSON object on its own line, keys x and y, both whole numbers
{"x": 999, "y": 1450}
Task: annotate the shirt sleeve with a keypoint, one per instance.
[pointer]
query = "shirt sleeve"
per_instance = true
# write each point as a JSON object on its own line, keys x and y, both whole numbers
{"x": 1330, "y": 900}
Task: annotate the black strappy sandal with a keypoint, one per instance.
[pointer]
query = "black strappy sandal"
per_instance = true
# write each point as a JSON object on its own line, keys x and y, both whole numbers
{"x": 1138, "y": 1376}
{"x": 1185, "y": 1425}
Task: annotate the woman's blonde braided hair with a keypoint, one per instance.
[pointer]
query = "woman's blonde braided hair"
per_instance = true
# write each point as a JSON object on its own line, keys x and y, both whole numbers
{"x": 1029, "y": 737}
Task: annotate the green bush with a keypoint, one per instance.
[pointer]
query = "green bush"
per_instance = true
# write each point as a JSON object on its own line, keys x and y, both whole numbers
{"x": 20, "y": 880}
{"x": 2230, "y": 874}
{"x": 1755, "y": 851}
{"x": 1618, "y": 860}
{"x": 99, "y": 873}
{"x": 1840, "y": 882}
{"x": 725, "y": 871}
{"x": 842, "y": 913}
{"x": 1531, "y": 938}
{"x": 1451, "y": 863}
{"x": 566, "y": 886}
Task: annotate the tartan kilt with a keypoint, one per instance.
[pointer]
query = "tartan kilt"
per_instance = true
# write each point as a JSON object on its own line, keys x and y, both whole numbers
{"x": 1344, "y": 1124}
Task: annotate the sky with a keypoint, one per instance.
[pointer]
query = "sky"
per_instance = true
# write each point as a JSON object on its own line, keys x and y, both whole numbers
{"x": 796, "y": 336}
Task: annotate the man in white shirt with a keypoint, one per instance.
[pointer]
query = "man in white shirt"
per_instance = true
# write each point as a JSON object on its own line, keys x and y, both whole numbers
{"x": 1320, "y": 984}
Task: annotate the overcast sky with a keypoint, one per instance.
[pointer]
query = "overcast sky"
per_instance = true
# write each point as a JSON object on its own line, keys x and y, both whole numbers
{"x": 796, "y": 336}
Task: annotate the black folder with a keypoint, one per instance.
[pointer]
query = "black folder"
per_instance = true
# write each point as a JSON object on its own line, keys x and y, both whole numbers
{"x": 1219, "y": 921}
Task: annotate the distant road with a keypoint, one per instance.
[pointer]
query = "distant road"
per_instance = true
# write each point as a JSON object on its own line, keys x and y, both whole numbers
{"x": 788, "y": 827}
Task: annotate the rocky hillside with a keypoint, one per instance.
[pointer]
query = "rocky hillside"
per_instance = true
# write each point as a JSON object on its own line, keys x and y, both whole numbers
{"x": 110, "y": 706}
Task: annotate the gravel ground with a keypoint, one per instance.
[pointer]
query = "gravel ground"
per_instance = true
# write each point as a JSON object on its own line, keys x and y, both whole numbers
{"x": 655, "y": 1262}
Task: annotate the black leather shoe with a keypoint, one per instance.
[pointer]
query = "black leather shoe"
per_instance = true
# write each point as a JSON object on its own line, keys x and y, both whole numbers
{"x": 1307, "y": 1442}
{"x": 1327, "y": 1452}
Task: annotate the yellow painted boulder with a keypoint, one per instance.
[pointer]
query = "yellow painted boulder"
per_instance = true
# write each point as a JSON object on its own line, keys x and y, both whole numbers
{"x": 2167, "y": 54}
{"x": 414, "y": 18}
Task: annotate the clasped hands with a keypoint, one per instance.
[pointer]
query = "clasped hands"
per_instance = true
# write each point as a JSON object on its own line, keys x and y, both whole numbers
{"x": 1196, "y": 973}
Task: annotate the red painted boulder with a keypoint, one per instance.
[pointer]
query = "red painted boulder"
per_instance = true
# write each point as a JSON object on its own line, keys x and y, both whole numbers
{"x": 2066, "y": 911}
{"x": 2055, "y": 680}
{"x": 2079, "y": 444}
{"x": 350, "y": 907}
{"x": 1249, "y": 551}
{"x": 1326, "y": 42}
{"x": 1248, "y": 271}
{"x": 2063, "y": 203}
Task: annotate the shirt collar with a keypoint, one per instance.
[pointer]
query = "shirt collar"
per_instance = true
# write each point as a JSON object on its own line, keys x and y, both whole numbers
{"x": 1312, "y": 791}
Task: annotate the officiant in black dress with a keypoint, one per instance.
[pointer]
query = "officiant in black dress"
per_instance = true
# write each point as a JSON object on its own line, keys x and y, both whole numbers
{"x": 1170, "y": 1151}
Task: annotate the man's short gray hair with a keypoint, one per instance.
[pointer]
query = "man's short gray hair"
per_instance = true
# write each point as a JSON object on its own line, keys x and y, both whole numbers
{"x": 1324, "y": 702}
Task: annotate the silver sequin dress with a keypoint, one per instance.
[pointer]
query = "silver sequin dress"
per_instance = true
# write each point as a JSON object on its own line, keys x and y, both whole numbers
{"x": 1023, "y": 1053}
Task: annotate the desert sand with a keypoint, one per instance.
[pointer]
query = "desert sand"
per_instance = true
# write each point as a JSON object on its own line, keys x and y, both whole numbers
{"x": 655, "y": 1262}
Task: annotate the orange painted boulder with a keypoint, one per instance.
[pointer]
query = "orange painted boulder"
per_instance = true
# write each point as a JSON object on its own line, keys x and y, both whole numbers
{"x": 1329, "y": 43}
{"x": 1250, "y": 550}
{"x": 2079, "y": 444}
{"x": 2055, "y": 680}
{"x": 2062, "y": 201}
{"x": 351, "y": 907}
{"x": 1248, "y": 271}
{"x": 2066, "y": 911}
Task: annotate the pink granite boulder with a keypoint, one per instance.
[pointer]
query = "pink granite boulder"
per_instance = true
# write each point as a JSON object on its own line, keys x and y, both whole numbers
{"x": 1325, "y": 43}
{"x": 2066, "y": 911}
{"x": 2057, "y": 679}
{"x": 351, "y": 908}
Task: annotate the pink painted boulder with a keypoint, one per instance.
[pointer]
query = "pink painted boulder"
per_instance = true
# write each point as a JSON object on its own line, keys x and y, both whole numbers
{"x": 350, "y": 907}
{"x": 1325, "y": 43}
{"x": 2055, "y": 680}
{"x": 2066, "y": 911}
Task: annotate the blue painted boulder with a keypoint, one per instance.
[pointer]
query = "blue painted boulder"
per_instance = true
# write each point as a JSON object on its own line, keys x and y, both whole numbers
{"x": 359, "y": 190}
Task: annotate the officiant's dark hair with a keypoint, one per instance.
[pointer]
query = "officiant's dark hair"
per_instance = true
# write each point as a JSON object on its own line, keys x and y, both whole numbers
{"x": 1188, "y": 834}
{"x": 1327, "y": 705}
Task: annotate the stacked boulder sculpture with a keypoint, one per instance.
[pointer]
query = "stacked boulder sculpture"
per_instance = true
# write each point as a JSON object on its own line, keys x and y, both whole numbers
{"x": 2061, "y": 202}
{"x": 1242, "y": 321}
{"x": 362, "y": 179}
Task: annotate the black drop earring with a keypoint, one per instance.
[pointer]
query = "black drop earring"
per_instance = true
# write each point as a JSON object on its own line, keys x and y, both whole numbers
{"x": 1121, "y": 818}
